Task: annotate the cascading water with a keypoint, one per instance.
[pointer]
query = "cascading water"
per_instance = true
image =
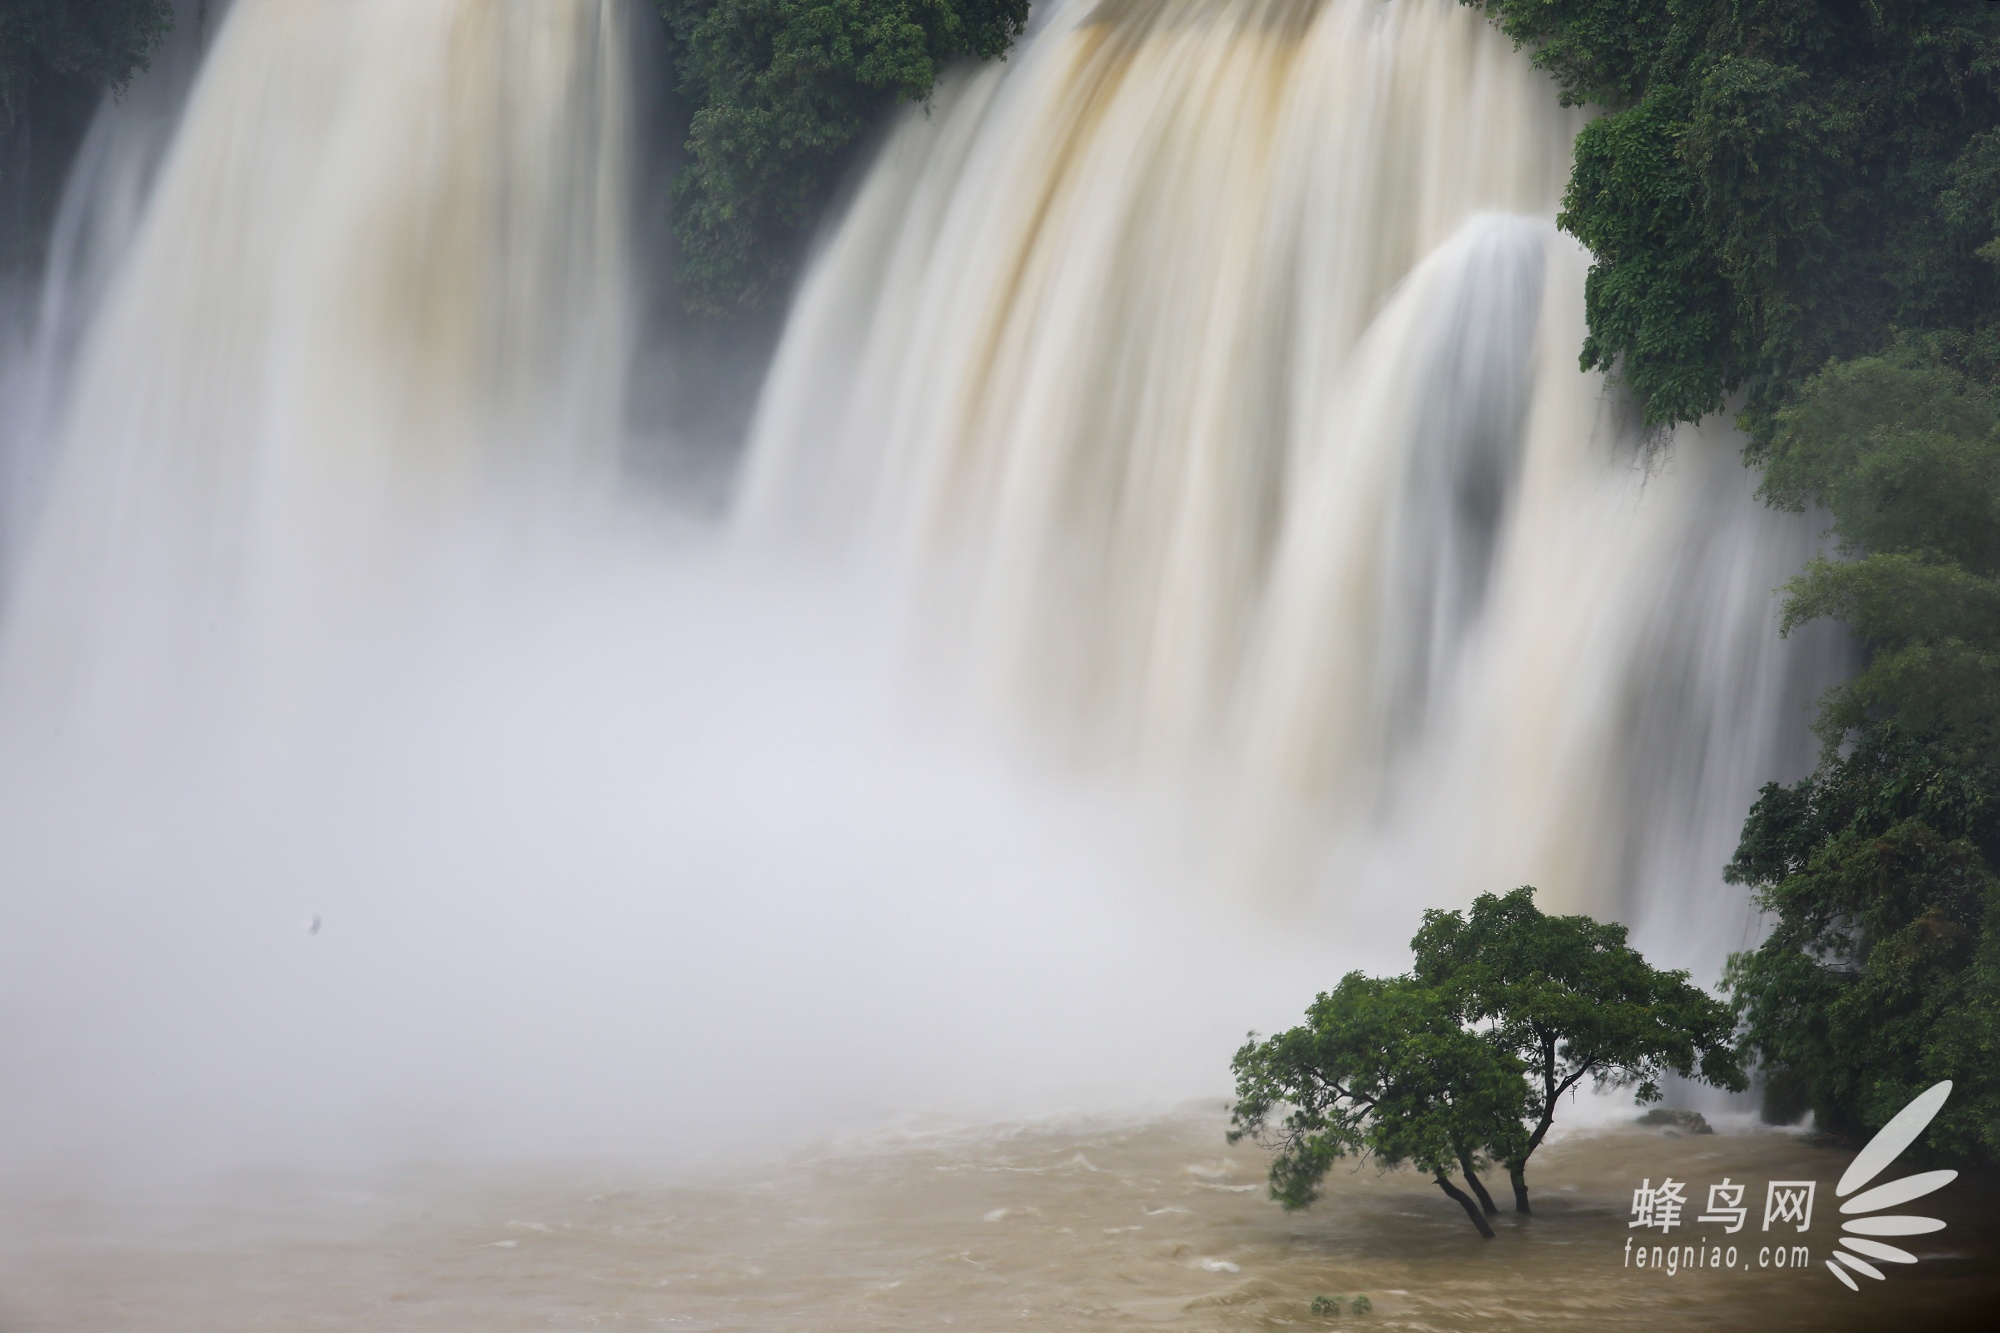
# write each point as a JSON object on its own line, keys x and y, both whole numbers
{"x": 1206, "y": 372}
{"x": 381, "y": 292}
{"x": 1214, "y": 362}
{"x": 383, "y": 774}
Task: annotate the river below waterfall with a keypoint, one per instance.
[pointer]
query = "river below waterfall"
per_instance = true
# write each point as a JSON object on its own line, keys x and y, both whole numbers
{"x": 1083, "y": 1225}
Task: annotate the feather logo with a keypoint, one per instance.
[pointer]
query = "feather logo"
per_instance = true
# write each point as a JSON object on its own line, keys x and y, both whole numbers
{"x": 1865, "y": 1208}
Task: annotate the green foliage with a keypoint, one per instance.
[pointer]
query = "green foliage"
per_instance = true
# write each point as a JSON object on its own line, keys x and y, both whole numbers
{"x": 1465, "y": 1060}
{"x": 1905, "y": 452}
{"x": 1381, "y": 1069}
{"x": 779, "y": 90}
{"x": 57, "y": 58}
{"x": 1882, "y": 975}
{"x": 104, "y": 42}
{"x": 1568, "y": 1000}
{"x": 1775, "y": 183}
{"x": 1329, "y": 1306}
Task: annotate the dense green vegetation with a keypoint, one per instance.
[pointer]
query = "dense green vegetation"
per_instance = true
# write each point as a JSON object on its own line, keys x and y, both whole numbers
{"x": 1382, "y": 1068}
{"x": 1774, "y": 183}
{"x": 1883, "y": 974}
{"x": 1569, "y": 1000}
{"x": 1800, "y": 200}
{"x": 57, "y": 57}
{"x": 1462, "y": 1063}
{"x": 778, "y": 92}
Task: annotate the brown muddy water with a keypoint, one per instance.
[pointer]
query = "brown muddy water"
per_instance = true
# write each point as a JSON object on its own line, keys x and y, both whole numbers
{"x": 1082, "y": 1226}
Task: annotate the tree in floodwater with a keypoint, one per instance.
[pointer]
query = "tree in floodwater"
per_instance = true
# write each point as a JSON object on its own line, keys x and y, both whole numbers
{"x": 1462, "y": 1063}
{"x": 1383, "y": 1069}
{"x": 1570, "y": 1000}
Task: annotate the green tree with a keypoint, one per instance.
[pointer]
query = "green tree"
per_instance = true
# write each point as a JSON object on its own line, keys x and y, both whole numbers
{"x": 778, "y": 91}
{"x": 1882, "y": 973}
{"x": 1568, "y": 999}
{"x": 1381, "y": 1069}
{"x": 1774, "y": 183}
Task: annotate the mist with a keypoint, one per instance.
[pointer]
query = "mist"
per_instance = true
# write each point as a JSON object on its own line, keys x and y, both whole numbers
{"x": 641, "y": 851}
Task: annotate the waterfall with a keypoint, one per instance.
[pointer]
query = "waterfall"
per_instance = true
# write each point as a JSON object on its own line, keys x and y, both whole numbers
{"x": 378, "y": 295}
{"x": 1210, "y": 368}
{"x": 382, "y": 772}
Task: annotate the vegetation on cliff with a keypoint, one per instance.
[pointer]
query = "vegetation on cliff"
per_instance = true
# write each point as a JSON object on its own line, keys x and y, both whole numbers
{"x": 57, "y": 58}
{"x": 1774, "y": 183}
{"x": 778, "y": 92}
{"x": 1882, "y": 975}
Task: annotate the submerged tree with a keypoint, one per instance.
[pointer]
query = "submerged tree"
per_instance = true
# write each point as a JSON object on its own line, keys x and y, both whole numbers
{"x": 1380, "y": 1069}
{"x": 1570, "y": 1001}
{"x": 1463, "y": 1062}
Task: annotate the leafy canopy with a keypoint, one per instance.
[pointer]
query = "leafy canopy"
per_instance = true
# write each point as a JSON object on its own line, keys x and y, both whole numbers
{"x": 1568, "y": 1000}
{"x": 778, "y": 91}
{"x": 1463, "y": 1061}
{"x": 1882, "y": 974}
{"x": 1381, "y": 1069}
{"x": 1774, "y": 183}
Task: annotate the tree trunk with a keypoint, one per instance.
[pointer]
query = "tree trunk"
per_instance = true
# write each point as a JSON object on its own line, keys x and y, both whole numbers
{"x": 1472, "y": 1179}
{"x": 1518, "y": 1173}
{"x": 1464, "y": 1201}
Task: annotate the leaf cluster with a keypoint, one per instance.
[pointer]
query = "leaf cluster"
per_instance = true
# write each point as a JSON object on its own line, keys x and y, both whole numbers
{"x": 1774, "y": 183}
{"x": 1381, "y": 1069}
{"x": 1573, "y": 1001}
{"x": 1464, "y": 1060}
{"x": 1904, "y": 451}
{"x": 1882, "y": 974}
{"x": 779, "y": 91}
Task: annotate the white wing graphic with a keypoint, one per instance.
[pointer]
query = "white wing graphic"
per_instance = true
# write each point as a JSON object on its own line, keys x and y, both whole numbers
{"x": 1884, "y": 1148}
